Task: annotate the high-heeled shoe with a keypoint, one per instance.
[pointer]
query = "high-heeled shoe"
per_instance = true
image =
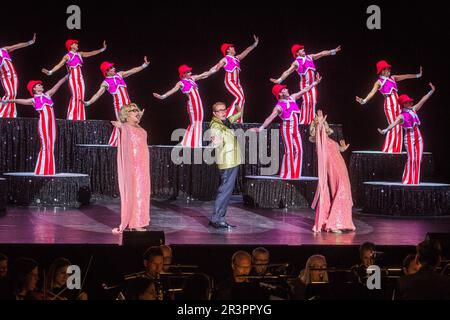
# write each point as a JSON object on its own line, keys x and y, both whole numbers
{"x": 116, "y": 231}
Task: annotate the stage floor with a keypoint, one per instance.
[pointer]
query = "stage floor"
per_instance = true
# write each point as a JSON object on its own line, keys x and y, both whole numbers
{"x": 187, "y": 223}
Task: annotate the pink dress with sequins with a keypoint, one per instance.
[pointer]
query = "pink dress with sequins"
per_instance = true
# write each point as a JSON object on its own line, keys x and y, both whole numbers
{"x": 134, "y": 178}
{"x": 333, "y": 200}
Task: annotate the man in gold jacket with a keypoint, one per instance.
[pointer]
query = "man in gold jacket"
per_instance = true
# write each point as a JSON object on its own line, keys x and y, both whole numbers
{"x": 228, "y": 160}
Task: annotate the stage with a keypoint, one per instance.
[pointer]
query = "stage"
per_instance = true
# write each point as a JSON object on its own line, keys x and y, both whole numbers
{"x": 186, "y": 223}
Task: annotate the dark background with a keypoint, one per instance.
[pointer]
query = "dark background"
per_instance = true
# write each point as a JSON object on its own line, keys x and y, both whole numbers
{"x": 175, "y": 32}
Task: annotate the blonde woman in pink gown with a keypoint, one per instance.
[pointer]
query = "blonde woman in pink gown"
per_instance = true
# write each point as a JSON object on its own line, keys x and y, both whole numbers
{"x": 333, "y": 200}
{"x": 133, "y": 170}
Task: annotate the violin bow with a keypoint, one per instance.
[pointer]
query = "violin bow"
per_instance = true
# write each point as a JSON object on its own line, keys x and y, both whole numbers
{"x": 85, "y": 275}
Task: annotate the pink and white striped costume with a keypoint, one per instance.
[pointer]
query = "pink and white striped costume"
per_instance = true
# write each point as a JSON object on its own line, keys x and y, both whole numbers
{"x": 76, "y": 110}
{"x": 233, "y": 84}
{"x": 10, "y": 83}
{"x": 47, "y": 133}
{"x": 307, "y": 72}
{"x": 291, "y": 166}
{"x": 413, "y": 145}
{"x": 394, "y": 138}
{"x": 194, "y": 133}
{"x": 117, "y": 87}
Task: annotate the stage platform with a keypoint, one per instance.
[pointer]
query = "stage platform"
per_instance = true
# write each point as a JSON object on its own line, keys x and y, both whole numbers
{"x": 366, "y": 166}
{"x": 272, "y": 192}
{"x": 397, "y": 199}
{"x": 64, "y": 190}
{"x": 186, "y": 223}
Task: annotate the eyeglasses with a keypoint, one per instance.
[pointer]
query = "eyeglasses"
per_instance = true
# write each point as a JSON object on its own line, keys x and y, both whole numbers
{"x": 221, "y": 110}
{"x": 134, "y": 110}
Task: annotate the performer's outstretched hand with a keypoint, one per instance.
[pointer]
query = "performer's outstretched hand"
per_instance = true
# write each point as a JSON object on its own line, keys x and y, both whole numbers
{"x": 146, "y": 61}
{"x": 47, "y": 72}
{"x": 158, "y": 96}
{"x": 318, "y": 78}
{"x": 419, "y": 75}
{"x": 360, "y": 100}
{"x": 339, "y": 48}
{"x": 33, "y": 41}
{"x": 116, "y": 124}
{"x": 432, "y": 86}
{"x": 255, "y": 44}
{"x": 275, "y": 80}
{"x": 104, "y": 44}
{"x": 383, "y": 132}
{"x": 343, "y": 145}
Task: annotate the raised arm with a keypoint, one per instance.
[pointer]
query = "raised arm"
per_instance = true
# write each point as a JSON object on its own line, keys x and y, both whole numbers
{"x": 218, "y": 66}
{"x": 130, "y": 72}
{"x": 96, "y": 96}
{"x": 269, "y": 120}
{"x": 408, "y": 76}
{"x": 21, "y": 45}
{"x": 25, "y": 102}
{"x": 297, "y": 95}
{"x": 95, "y": 52}
{"x": 424, "y": 98}
{"x": 397, "y": 121}
{"x": 245, "y": 53}
{"x": 374, "y": 90}
{"x": 57, "y": 67}
{"x": 203, "y": 75}
{"x": 168, "y": 93}
{"x": 343, "y": 146}
{"x": 286, "y": 74}
{"x": 58, "y": 85}
{"x": 326, "y": 53}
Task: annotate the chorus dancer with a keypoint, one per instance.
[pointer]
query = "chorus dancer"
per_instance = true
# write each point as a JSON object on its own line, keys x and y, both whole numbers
{"x": 387, "y": 86}
{"x": 288, "y": 111}
{"x": 74, "y": 62}
{"x": 133, "y": 168}
{"x": 188, "y": 85}
{"x": 9, "y": 78}
{"x": 43, "y": 103}
{"x": 231, "y": 63}
{"x": 410, "y": 122}
{"x": 115, "y": 84}
{"x": 333, "y": 199}
{"x": 306, "y": 69}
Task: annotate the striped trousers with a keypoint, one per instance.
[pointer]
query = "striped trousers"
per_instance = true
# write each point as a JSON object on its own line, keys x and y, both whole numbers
{"x": 291, "y": 165}
{"x": 414, "y": 147}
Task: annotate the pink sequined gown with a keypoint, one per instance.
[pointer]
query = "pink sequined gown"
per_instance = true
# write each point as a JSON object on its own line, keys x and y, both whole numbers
{"x": 134, "y": 178}
{"x": 333, "y": 200}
